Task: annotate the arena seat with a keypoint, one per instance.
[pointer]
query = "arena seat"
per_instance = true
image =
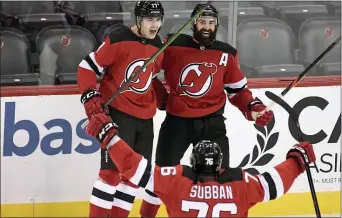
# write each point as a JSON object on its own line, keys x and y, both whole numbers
{"x": 332, "y": 6}
{"x": 175, "y": 13}
{"x": 245, "y": 11}
{"x": 294, "y": 13}
{"x": 315, "y": 35}
{"x": 31, "y": 14}
{"x": 266, "y": 48}
{"x": 338, "y": 12}
{"x": 15, "y": 59}
{"x": 61, "y": 49}
{"x": 109, "y": 29}
{"x": 95, "y": 16}
{"x": 176, "y": 27}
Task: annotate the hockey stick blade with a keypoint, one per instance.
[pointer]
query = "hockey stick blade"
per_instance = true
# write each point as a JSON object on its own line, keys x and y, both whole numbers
{"x": 134, "y": 75}
{"x": 277, "y": 99}
{"x": 295, "y": 119}
{"x": 306, "y": 70}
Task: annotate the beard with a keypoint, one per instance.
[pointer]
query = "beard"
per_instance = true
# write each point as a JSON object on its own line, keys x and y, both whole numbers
{"x": 205, "y": 40}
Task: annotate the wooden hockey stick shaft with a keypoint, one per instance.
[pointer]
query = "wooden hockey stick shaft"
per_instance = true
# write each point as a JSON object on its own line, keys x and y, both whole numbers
{"x": 294, "y": 118}
{"x": 304, "y": 73}
{"x": 151, "y": 60}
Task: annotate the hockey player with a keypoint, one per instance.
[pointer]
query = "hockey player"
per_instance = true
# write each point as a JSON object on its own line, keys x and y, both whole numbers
{"x": 198, "y": 70}
{"x": 122, "y": 53}
{"x": 205, "y": 189}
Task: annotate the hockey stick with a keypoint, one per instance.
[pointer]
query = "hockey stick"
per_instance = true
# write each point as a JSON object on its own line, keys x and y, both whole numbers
{"x": 295, "y": 119}
{"x": 294, "y": 116}
{"x": 303, "y": 74}
{"x": 134, "y": 75}
{"x": 279, "y": 100}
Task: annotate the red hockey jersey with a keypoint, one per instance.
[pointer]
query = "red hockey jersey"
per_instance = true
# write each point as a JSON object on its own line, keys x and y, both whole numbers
{"x": 121, "y": 54}
{"x": 231, "y": 196}
{"x": 198, "y": 75}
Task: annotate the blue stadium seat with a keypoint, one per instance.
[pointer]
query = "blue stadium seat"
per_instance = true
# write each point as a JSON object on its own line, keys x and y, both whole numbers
{"x": 266, "y": 48}
{"x": 315, "y": 35}
{"x": 61, "y": 49}
{"x": 15, "y": 59}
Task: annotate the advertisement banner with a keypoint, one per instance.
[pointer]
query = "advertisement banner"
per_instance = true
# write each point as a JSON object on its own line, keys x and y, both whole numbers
{"x": 319, "y": 114}
{"x": 47, "y": 157}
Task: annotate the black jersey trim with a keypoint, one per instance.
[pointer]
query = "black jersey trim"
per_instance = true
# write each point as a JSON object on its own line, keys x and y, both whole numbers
{"x": 125, "y": 34}
{"x": 187, "y": 41}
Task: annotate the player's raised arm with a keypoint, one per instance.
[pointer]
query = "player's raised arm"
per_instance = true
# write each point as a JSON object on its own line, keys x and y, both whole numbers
{"x": 235, "y": 83}
{"x": 90, "y": 68}
{"x": 133, "y": 166}
{"x": 274, "y": 183}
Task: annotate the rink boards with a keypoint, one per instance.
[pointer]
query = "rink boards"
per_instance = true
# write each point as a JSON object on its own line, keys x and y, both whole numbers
{"x": 48, "y": 163}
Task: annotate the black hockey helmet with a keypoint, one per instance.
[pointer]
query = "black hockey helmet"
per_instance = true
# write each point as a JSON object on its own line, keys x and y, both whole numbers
{"x": 148, "y": 9}
{"x": 206, "y": 157}
{"x": 209, "y": 10}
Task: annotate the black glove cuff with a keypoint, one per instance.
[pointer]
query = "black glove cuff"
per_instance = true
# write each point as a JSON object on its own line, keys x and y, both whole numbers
{"x": 105, "y": 129}
{"x": 252, "y": 103}
{"x": 299, "y": 150}
{"x": 89, "y": 94}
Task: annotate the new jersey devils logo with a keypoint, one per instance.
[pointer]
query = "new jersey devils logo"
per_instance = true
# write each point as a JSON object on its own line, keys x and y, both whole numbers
{"x": 142, "y": 83}
{"x": 263, "y": 33}
{"x": 328, "y": 33}
{"x": 65, "y": 41}
{"x": 196, "y": 79}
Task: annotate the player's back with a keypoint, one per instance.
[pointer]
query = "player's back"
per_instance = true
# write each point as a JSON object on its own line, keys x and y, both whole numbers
{"x": 223, "y": 198}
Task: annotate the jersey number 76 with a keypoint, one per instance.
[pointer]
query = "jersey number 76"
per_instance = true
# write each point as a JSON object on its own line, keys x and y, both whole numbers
{"x": 203, "y": 208}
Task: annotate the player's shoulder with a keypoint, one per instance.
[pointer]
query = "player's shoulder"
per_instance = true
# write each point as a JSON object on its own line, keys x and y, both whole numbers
{"x": 231, "y": 175}
{"x": 224, "y": 47}
{"x": 226, "y": 175}
{"x": 157, "y": 41}
{"x": 183, "y": 40}
{"x": 120, "y": 33}
{"x": 187, "y": 172}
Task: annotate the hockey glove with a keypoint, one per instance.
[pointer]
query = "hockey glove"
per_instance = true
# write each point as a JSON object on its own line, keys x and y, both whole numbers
{"x": 257, "y": 112}
{"x": 302, "y": 152}
{"x": 93, "y": 104}
{"x": 102, "y": 128}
